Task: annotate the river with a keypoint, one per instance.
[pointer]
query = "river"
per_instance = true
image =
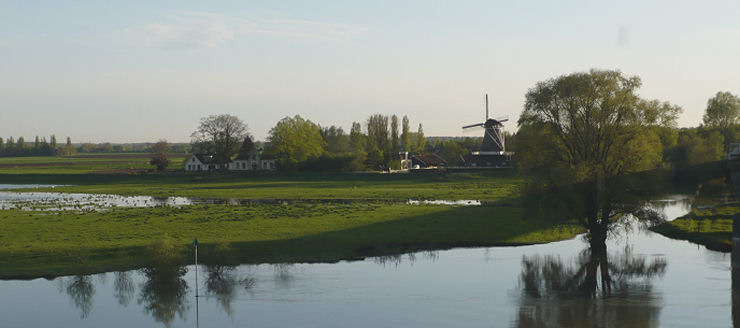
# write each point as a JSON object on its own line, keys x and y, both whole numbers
{"x": 655, "y": 281}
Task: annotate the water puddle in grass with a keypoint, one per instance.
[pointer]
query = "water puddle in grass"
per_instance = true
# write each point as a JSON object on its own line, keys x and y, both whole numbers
{"x": 52, "y": 201}
{"x": 55, "y": 201}
{"x": 462, "y": 202}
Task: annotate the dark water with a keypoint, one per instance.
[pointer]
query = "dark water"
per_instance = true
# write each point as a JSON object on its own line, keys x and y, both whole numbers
{"x": 655, "y": 282}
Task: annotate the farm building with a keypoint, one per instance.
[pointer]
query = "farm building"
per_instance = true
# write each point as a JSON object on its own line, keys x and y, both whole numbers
{"x": 252, "y": 161}
{"x": 427, "y": 161}
{"x": 416, "y": 162}
{"x": 201, "y": 162}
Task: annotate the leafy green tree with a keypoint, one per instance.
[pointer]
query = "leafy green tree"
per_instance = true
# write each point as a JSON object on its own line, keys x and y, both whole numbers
{"x": 405, "y": 136}
{"x": 223, "y": 134}
{"x": 160, "y": 155}
{"x": 36, "y": 144}
{"x": 378, "y": 146}
{"x": 336, "y": 141}
{"x": 247, "y": 145}
{"x": 589, "y": 128}
{"x": 583, "y": 125}
{"x": 2, "y": 146}
{"x": 420, "y": 140}
{"x": 357, "y": 138}
{"x": 68, "y": 149}
{"x": 357, "y": 142}
{"x": 394, "y": 134}
{"x": 294, "y": 140}
{"x": 20, "y": 146}
{"x": 723, "y": 112}
{"x": 451, "y": 151}
{"x": 698, "y": 147}
{"x": 53, "y": 141}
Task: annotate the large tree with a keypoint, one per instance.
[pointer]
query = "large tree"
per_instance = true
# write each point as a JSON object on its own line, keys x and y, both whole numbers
{"x": 378, "y": 146}
{"x": 160, "y": 155}
{"x": 247, "y": 145}
{"x": 590, "y": 128}
{"x": 420, "y": 140}
{"x": 221, "y": 134}
{"x": 405, "y": 134}
{"x": 589, "y": 125}
{"x": 294, "y": 140}
{"x": 336, "y": 141}
{"x": 723, "y": 112}
{"x": 357, "y": 138}
{"x": 394, "y": 134}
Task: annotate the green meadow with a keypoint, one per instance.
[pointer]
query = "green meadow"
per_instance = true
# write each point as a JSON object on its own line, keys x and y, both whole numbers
{"x": 81, "y": 164}
{"x": 67, "y": 241}
{"x": 330, "y": 217}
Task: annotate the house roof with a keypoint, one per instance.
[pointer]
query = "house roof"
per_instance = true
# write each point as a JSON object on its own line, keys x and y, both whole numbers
{"x": 429, "y": 160}
{"x": 206, "y": 158}
{"x": 242, "y": 157}
{"x": 245, "y": 156}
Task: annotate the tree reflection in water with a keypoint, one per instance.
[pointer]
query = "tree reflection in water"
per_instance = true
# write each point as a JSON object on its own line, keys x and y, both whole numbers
{"x": 283, "y": 277}
{"x": 164, "y": 293}
{"x": 593, "y": 290}
{"x": 81, "y": 290}
{"x": 222, "y": 282}
{"x": 123, "y": 287}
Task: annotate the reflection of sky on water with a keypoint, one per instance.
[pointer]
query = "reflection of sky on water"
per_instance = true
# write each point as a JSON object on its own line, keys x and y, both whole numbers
{"x": 73, "y": 201}
{"x": 464, "y": 287}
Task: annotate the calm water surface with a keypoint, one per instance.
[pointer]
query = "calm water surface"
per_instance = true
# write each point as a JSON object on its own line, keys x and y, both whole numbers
{"x": 474, "y": 287}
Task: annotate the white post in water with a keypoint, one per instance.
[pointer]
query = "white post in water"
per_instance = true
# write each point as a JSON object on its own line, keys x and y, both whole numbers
{"x": 195, "y": 244}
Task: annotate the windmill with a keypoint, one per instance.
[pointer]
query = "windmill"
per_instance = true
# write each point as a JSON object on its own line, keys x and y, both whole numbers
{"x": 494, "y": 142}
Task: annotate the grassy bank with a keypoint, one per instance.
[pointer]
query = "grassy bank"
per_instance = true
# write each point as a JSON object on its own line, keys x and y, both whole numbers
{"x": 710, "y": 223}
{"x": 709, "y": 227}
{"x": 53, "y": 243}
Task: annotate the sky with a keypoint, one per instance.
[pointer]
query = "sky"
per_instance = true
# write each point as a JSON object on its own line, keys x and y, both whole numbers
{"x": 140, "y": 71}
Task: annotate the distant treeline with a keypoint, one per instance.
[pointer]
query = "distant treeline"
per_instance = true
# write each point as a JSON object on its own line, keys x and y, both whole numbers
{"x": 41, "y": 146}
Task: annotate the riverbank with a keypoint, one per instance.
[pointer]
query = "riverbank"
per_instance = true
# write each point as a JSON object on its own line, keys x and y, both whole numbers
{"x": 710, "y": 222}
{"x": 710, "y": 227}
{"x": 35, "y": 243}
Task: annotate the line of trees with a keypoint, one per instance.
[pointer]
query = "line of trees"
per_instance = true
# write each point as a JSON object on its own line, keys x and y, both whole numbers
{"x": 39, "y": 147}
{"x": 297, "y": 143}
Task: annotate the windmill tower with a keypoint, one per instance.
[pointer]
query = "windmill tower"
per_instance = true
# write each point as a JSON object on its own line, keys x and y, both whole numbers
{"x": 494, "y": 141}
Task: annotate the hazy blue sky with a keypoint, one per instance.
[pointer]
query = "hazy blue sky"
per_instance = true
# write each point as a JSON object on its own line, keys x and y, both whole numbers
{"x": 132, "y": 71}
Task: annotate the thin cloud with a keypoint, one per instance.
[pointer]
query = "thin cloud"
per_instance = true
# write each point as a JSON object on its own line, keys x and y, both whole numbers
{"x": 207, "y": 30}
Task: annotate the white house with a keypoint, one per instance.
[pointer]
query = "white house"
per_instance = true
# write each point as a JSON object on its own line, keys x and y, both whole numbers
{"x": 252, "y": 161}
{"x": 201, "y": 162}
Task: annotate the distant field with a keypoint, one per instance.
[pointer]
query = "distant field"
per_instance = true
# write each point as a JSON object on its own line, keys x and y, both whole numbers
{"x": 83, "y": 163}
{"x": 498, "y": 185}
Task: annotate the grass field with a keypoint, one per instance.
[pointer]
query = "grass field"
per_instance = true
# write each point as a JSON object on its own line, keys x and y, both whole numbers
{"x": 265, "y": 233}
{"x": 82, "y": 163}
{"x": 497, "y": 185}
{"x": 53, "y": 243}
